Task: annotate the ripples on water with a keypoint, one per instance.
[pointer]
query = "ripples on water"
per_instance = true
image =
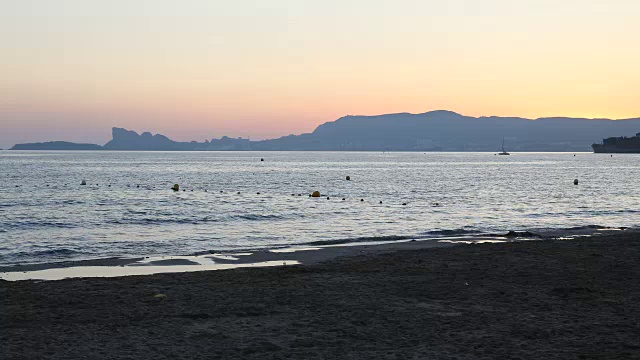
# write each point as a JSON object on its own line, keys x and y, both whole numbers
{"x": 128, "y": 209}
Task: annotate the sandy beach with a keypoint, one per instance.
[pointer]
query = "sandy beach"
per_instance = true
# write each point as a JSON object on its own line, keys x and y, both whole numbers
{"x": 548, "y": 299}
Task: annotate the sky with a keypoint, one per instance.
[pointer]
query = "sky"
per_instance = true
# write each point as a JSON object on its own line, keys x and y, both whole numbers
{"x": 200, "y": 69}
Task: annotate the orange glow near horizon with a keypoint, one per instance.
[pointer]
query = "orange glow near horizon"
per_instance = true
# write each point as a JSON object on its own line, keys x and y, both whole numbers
{"x": 207, "y": 69}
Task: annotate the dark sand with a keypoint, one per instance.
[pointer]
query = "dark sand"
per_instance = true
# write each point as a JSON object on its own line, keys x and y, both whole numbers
{"x": 577, "y": 299}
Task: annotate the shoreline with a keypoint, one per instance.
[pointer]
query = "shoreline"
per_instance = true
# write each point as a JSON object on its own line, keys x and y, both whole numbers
{"x": 267, "y": 257}
{"x": 550, "y": 299}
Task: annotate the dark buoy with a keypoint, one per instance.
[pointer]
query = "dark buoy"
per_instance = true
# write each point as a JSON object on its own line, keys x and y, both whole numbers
{"x": 315, "y": 194}
{"x": 84, "y": 182}
{"x": 348, "y": 178}
{"x": 205, "y": 190}
{"x": 327, "y": 198}
{"x": 575, "y": 182}
{"x": 361, "y": 200}
{"x": 343, "y": 199}
{"x": 184, "y": 190}
{"x": 380, "y": 202}
{"x": 258, "y": 193}
{"x": 175, "y": 187}
{"x": 261, "y": 159}
{"x": 404, "y": 204}
{"x": 137, "y": 186}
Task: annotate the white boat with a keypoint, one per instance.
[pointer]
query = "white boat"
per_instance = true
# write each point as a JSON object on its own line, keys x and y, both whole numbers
{"x": 503, "y": 152}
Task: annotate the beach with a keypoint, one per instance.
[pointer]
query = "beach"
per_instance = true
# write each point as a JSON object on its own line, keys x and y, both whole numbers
{"x": 552, "y": 299}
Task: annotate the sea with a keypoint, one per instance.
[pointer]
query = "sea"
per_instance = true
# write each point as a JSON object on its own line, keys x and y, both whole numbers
{"x": 236, "y": 201}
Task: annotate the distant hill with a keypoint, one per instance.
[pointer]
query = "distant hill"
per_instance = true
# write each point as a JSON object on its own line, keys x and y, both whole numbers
{"x": 431, "y": 131}
{"x": 449, "y": 131}
{"x": 56, "y": 145}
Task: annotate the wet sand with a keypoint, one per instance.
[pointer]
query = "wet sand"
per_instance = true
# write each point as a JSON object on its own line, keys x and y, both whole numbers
{"x": 548, "y": 299}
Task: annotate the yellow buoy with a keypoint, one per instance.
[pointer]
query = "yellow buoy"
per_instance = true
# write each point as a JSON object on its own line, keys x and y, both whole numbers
{"x": 315, "y": 194}
{"x": 176, "y": 187}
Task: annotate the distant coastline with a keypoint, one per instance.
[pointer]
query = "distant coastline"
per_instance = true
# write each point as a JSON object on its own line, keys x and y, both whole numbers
{"x": 56, "y": 145}
{"x": 432, "y": 131}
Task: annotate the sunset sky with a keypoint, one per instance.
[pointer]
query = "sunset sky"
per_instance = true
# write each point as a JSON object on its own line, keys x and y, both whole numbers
{"x": 197, "y": 69}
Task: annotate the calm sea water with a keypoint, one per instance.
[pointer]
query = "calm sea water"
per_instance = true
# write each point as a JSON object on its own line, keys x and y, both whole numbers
{"x": 127, "y": 209}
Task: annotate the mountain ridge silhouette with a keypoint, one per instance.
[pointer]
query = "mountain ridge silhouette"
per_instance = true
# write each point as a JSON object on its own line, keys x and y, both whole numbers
{"x": 439, "y": 130}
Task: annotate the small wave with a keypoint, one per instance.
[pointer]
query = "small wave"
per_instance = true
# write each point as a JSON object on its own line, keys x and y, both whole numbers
{"x": 68, "y": 202}
{"x": 30, "y": 225}
{"x": 260, "y": 217}
{"x": 190, "y": 221}
{"x": 152, "y": 221}
{"x": 359, "y": 240}
{"x": 48, "y": 253}
{"x": 453, "y": 232}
